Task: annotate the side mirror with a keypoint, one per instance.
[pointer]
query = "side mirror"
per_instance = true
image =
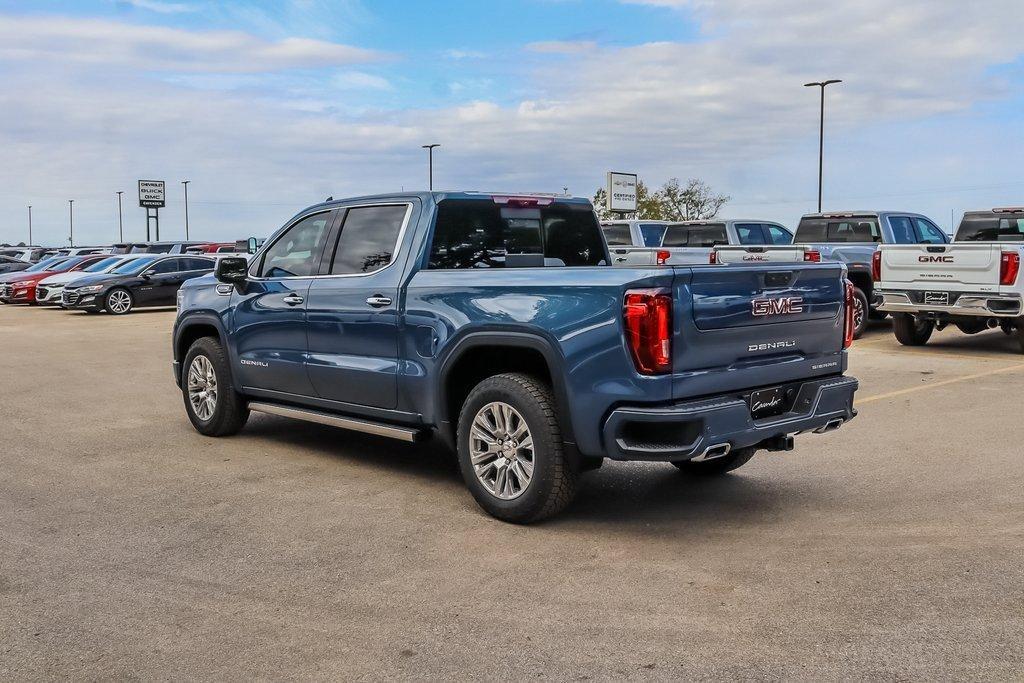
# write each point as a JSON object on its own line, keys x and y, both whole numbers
{"x": 232, "y": 270}
{"x": 252, "y": 245}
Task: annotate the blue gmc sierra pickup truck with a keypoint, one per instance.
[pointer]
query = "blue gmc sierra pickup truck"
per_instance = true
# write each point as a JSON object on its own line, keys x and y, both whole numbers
{"x": 495, "y": 323}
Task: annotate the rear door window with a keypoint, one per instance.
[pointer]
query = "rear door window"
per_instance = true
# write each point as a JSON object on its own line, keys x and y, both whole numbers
{"x": 750, "y": 233}
{"x": 707, "y": 235}
{"x": 192, "y": 264}
{"x": 480, "y": 233}
{"x": 369, "y": 237}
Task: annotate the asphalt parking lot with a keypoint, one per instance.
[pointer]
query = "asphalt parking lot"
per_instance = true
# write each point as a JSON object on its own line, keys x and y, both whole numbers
{"x": 131, "y": 546}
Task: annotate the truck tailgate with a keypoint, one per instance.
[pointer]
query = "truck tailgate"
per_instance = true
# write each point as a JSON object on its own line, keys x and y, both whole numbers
{"x": 786, "y": 253}
{"x": 629, "y": 257}
{"x": 953, "y": 265}
{"x": 744, "y": 326}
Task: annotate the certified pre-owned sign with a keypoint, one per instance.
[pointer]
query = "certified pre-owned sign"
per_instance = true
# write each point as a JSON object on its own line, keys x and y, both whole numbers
{"x": 151, "y": 194}
{"x": 621, "y": 192}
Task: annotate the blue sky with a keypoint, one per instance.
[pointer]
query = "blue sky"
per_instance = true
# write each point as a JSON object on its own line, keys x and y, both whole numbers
{"x": 267, "y": 107}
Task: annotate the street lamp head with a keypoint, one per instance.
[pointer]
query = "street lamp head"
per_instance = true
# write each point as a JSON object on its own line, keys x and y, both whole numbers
{"x": 431, "y": 146}
{"x": 822, "y": 84}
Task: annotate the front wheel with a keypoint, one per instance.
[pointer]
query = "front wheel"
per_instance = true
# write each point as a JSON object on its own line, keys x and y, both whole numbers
{"x": 119, "y": 301}
{"x": 511, "y": 452}
{"x": 212, "y": 404}
{"x": 711, "y": 468}
{"x": 910, "y": 330}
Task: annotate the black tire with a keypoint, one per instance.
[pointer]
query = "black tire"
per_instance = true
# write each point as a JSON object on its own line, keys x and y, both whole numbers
{"x": 712, "y": 468}
{"x": 231, "y": 411}
{"x": 911, "y": 331}
{"x": 1020, "y": 334}
{"x": 860, "y": 312}
{"x": 552, "y": 485}
{"x": 114, "y": 309}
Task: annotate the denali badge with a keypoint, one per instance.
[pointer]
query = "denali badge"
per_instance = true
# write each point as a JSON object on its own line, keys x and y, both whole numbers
{"x": 935, "y": 259}
{"x": 768, "y": 346}
{"x": 782, "y": 306}
{"x": 257, "y": 363}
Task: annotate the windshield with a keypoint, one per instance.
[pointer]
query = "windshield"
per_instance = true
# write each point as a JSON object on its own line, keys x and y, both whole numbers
{"x": 48, "y": 264}
{"x": 704, "y": 235}
{"x": 133, "y": 266}
{"x": 846, "y": 229}
{"x": 100, "y": 266}
{"x": 990, "y": 227}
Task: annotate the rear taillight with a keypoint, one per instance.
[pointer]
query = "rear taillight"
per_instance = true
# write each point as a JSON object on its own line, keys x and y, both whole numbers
{"x": 713, "y": 257}
{"x": 1009, "y": 267}
{"x": 663, "y": 256}
{"x": 848, "y": 323}
{"x": 876, "y": 266}
{"x": 647, "y": 316}
{"x": 812, "y": 255}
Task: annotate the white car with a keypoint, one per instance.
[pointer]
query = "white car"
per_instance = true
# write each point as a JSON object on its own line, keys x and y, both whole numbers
{"x": 49, "y": 290}
{"x": 973, "y": 283}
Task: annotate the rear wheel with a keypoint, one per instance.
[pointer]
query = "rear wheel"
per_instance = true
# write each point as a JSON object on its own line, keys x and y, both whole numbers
{"x": 511, "y": 452}
{"x": 860, "y": 312}
{"x": 119, "y": 301}
{"x": 710, "y": 468}
{"x": 910, "y": 330}
{"x": 1020, "y": 334}
{"x": 212, "y": 405}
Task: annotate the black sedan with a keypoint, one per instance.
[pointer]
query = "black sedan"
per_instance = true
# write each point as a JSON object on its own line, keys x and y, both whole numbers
{"x": 9, "y": 264}
{"x": 142, "y": 281}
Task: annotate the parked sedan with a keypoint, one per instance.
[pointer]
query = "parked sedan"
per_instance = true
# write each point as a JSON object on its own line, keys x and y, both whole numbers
{"x": 10, "y": 264}
{"x": 51, "y": 289}
{"x": 146, "y": 281}
{"x": 20, "y": 287}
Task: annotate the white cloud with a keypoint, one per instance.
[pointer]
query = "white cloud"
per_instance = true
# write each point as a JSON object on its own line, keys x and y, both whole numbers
{"x": 160, "y": 7}
{"x": 729, "y": 107}
{"x": 109, "y": 44}
{"x": 562, "y": 47}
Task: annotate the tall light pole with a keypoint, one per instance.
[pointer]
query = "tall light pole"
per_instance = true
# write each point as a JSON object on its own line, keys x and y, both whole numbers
{"x": 185, "y": 183}
{"x": 71, "y": 222}
{"x": 430, "y": 164}
{"x": 30, "y": 225}
{"x": 821, "y": 131}
{"x": 120, "y": 218}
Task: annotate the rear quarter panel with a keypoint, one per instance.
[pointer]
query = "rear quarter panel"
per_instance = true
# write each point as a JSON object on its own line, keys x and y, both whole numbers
{"x": 576, "y": 312}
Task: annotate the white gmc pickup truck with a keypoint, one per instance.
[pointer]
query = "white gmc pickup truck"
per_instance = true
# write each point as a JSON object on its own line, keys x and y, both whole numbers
{"x": 973, "y": 283}
{"x": 646, "y": 242}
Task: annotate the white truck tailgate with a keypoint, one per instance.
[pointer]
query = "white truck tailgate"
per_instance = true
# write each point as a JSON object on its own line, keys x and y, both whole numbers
{"x": 954, "y": 265}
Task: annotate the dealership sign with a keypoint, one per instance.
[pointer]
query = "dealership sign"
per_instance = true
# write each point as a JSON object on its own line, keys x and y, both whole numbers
{"x": 621, "y": 192}
{"x": 151, "y": 194}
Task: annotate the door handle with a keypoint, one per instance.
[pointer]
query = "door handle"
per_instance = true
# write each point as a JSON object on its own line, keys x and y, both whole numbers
{"x": 293, "y": 299}
{"x": 377, "y": 301}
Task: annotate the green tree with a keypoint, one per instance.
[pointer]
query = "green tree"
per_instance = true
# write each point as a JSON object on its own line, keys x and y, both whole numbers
{"x": 672, "y": 202}
{"x": 696, "y": 201}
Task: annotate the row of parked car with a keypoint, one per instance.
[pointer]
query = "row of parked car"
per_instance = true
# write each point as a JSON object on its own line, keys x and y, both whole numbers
{"x": 900, "y": 263}
{"x": 116, "y": 279}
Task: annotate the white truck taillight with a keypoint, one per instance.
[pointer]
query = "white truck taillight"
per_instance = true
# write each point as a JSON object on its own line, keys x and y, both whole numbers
{"x": 713, "y": 257}
{"x": 663, "y": 256}
{"x": 647, "y": 318}
{"x": 812, "y": 256}
{"x": 849, "y": 325}
{"x": 876, "y": 266}
{"x": 1009, "y": 267}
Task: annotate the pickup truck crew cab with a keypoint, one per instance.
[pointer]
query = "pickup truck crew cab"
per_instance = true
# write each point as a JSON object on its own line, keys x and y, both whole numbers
{"x": 973, "y": 283}
{"x": 851, "y": 237}
{"x": 685, "y": 242}
{"x": 495, "y": 323}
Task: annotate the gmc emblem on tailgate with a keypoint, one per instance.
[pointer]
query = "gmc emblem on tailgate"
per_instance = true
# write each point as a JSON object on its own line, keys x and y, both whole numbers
{"x": 784, "y": 305}
{"x": 935, "y": 259}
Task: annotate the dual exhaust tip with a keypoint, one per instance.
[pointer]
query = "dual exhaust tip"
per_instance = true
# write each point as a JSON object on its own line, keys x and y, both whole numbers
{"x": 778, "y": 443}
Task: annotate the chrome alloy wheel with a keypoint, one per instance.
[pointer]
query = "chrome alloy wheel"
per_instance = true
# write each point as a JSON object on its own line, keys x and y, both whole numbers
{"x": 119, "y": 301}
{"x": 202, "y": 387}
{"x": 858, "y": 312}
{"x": 501, "y": 450}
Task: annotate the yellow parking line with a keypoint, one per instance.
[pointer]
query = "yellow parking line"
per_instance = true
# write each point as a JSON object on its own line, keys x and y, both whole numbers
{"x": 933, "y": 385}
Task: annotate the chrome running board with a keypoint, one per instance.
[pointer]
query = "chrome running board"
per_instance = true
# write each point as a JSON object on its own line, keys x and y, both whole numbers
{"x": 377, "y": 428}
